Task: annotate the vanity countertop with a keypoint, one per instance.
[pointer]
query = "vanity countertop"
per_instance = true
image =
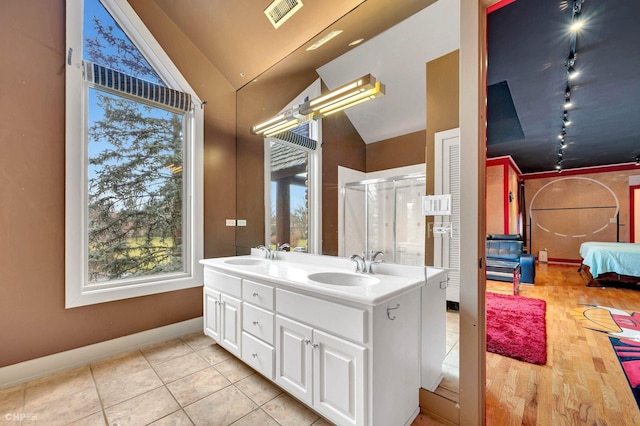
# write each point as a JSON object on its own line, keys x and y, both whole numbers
{"x": 293, "y": 270}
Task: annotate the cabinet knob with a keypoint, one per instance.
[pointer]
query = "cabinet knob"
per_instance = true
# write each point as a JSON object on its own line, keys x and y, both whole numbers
{"x": 255, "y": 323}
{"x": 255, "y": 294}
{"x": 254, "y": 355}
{"x": 315, "y": 346}
{"x": 307, "y": 341}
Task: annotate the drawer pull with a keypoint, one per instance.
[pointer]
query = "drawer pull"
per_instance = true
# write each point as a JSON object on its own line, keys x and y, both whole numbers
{"x": 255, "y": 323}
{"x": 255, "y": 294}
{"x": 254, "y": 355}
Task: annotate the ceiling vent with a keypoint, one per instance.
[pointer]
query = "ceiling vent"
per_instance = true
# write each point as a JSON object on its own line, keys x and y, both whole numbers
{"x": 281, "y": 10}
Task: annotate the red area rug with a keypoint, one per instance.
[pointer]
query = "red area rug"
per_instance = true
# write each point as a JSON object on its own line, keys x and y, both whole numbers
{"x": 516, "y": 327}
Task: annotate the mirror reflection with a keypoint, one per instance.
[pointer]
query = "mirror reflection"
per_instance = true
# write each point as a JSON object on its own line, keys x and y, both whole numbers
{"x": 359, "y": 189}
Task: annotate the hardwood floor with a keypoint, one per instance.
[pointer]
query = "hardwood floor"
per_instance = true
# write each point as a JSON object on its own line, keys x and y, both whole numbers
{"x": 583, "y": 382}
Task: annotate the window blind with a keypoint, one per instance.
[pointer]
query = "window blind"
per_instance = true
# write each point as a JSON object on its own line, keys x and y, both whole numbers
{"x": 120, "y": 82}
{"x": 298, "y": 136}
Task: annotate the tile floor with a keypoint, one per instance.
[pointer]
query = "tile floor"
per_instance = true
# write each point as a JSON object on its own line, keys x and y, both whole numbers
{"x": 185, "y": 381}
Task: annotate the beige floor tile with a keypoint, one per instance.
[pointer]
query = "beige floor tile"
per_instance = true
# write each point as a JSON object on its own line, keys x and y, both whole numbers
{"x": 322, "y": 422}
{"x": 165, "y": 351}
{"x": 257, "y": 417}
{"x": 126, "y": 387}
{"x": 221, "y": 408}
{"x": 234, "y": 369}
{"x": 178, "y": 418}
{"x": 143, "y": 409}
{"x": 11, "y": 401}
{"x": 120, "y": 365}
{"x": 214, "y": 354}
{"x": 259, "y": 389}
{"x": 180, "y": 367}
{"x": 64, "y": 409}
{"x": 198, "y": 341}
{"x": 57, "y": 387}
{"x": 197, "y": 386}
{"x": 96, "y": 419}
{"x": 289, "y": 412}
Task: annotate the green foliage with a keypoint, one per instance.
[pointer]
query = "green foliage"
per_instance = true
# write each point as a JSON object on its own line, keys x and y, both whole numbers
{"x": 135, "y": 180}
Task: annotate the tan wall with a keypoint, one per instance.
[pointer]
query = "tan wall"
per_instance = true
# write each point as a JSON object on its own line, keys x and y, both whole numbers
{"x": 570, "y": 210}
{"x": 495, "y": 199}
{"x": 442, "y": 114}
{"x": 343, "y": 147}
{"x": 219, "y": 131}
{"x": 405, "y": 150}
{"x": 33, "y": 321}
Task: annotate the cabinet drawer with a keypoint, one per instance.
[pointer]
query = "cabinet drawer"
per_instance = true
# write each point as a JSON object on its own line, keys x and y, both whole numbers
{"x": 258, "y": 355}
{"x": 258, "y": 294}
{"x": 223, "y": 282}
{"x": 338, "y": 319}
{"x": 258, "y": 322}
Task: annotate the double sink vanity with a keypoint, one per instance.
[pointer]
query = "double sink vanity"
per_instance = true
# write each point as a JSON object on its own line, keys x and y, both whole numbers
{"x": 354, "y": 347}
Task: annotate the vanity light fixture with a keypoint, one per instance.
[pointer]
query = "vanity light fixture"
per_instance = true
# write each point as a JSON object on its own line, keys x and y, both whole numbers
{"x": 361, "y": 90}
{"x": 280, "y": 123}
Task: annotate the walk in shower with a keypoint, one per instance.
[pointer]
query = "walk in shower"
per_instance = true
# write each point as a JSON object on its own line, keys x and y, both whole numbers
{"x": 384, "y": 215}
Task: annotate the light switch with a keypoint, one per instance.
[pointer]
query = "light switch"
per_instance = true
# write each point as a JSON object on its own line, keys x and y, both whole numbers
{"x": 231, "y": 222}
{"x": 242, "y": 222}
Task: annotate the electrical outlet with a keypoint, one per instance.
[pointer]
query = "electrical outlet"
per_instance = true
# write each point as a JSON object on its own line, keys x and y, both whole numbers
{"x": 242, "y": 222}
{"x": 231, "y": 222}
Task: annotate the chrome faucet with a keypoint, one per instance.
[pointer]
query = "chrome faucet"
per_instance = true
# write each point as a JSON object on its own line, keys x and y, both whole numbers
{"x": 283, "y": 247}
{"x": 372, "y": 258}
{"x": 268, "y": 253}
{"x": 360, "y": 263}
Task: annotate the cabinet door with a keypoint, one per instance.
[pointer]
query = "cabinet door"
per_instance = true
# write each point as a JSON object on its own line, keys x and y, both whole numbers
{"x": 231, "y": 324}
{"x": 212, "y": 313}
{"x": 338, "y": 379}
{"x": 293, "y": 358}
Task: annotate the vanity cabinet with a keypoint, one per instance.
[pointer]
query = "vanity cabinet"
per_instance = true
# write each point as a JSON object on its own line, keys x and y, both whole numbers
{"x": 322, "y": 370}
{"x": 355, "y": 362}
{"x": 223, "y": 310}
{"x": 258, "y": 325}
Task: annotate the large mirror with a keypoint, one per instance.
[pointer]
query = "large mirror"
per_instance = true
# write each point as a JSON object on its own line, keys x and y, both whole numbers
{"x": 368, "y": 140}
{"x": 398, "y": 40}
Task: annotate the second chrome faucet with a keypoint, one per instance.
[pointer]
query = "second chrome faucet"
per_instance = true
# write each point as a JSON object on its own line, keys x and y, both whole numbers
{"x": 364, "y": 262}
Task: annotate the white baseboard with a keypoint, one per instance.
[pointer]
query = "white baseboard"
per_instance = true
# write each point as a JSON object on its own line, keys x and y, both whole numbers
{"x": 22, "y": 372}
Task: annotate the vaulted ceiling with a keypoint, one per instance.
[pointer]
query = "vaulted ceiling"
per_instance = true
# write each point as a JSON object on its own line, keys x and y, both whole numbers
{"x": 528, "y": 46}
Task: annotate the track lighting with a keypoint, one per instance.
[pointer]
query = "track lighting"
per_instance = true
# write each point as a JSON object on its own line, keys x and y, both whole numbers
{"x": 576, "y": 23}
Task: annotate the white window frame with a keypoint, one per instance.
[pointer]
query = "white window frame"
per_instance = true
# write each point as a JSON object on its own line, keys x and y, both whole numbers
{"x": 78, "y": 291}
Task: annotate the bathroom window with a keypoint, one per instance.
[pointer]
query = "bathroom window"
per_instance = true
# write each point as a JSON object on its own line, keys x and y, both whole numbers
{"x": 133, "y": 189}
{"x": 292, "y": 192}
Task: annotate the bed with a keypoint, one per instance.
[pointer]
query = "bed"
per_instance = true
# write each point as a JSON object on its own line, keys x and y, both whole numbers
{"x": 614, "y": 262}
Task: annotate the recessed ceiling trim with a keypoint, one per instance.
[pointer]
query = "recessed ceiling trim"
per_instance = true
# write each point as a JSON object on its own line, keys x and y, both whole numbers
{"x": 280, "y": 10}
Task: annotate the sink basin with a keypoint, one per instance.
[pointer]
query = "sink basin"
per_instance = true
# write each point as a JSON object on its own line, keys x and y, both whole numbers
{"x": 343, "y": 278}
{"x": 244, "y": 261}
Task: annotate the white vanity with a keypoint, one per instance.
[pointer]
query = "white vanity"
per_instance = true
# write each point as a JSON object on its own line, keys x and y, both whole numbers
{"x": 353, "y": 347}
